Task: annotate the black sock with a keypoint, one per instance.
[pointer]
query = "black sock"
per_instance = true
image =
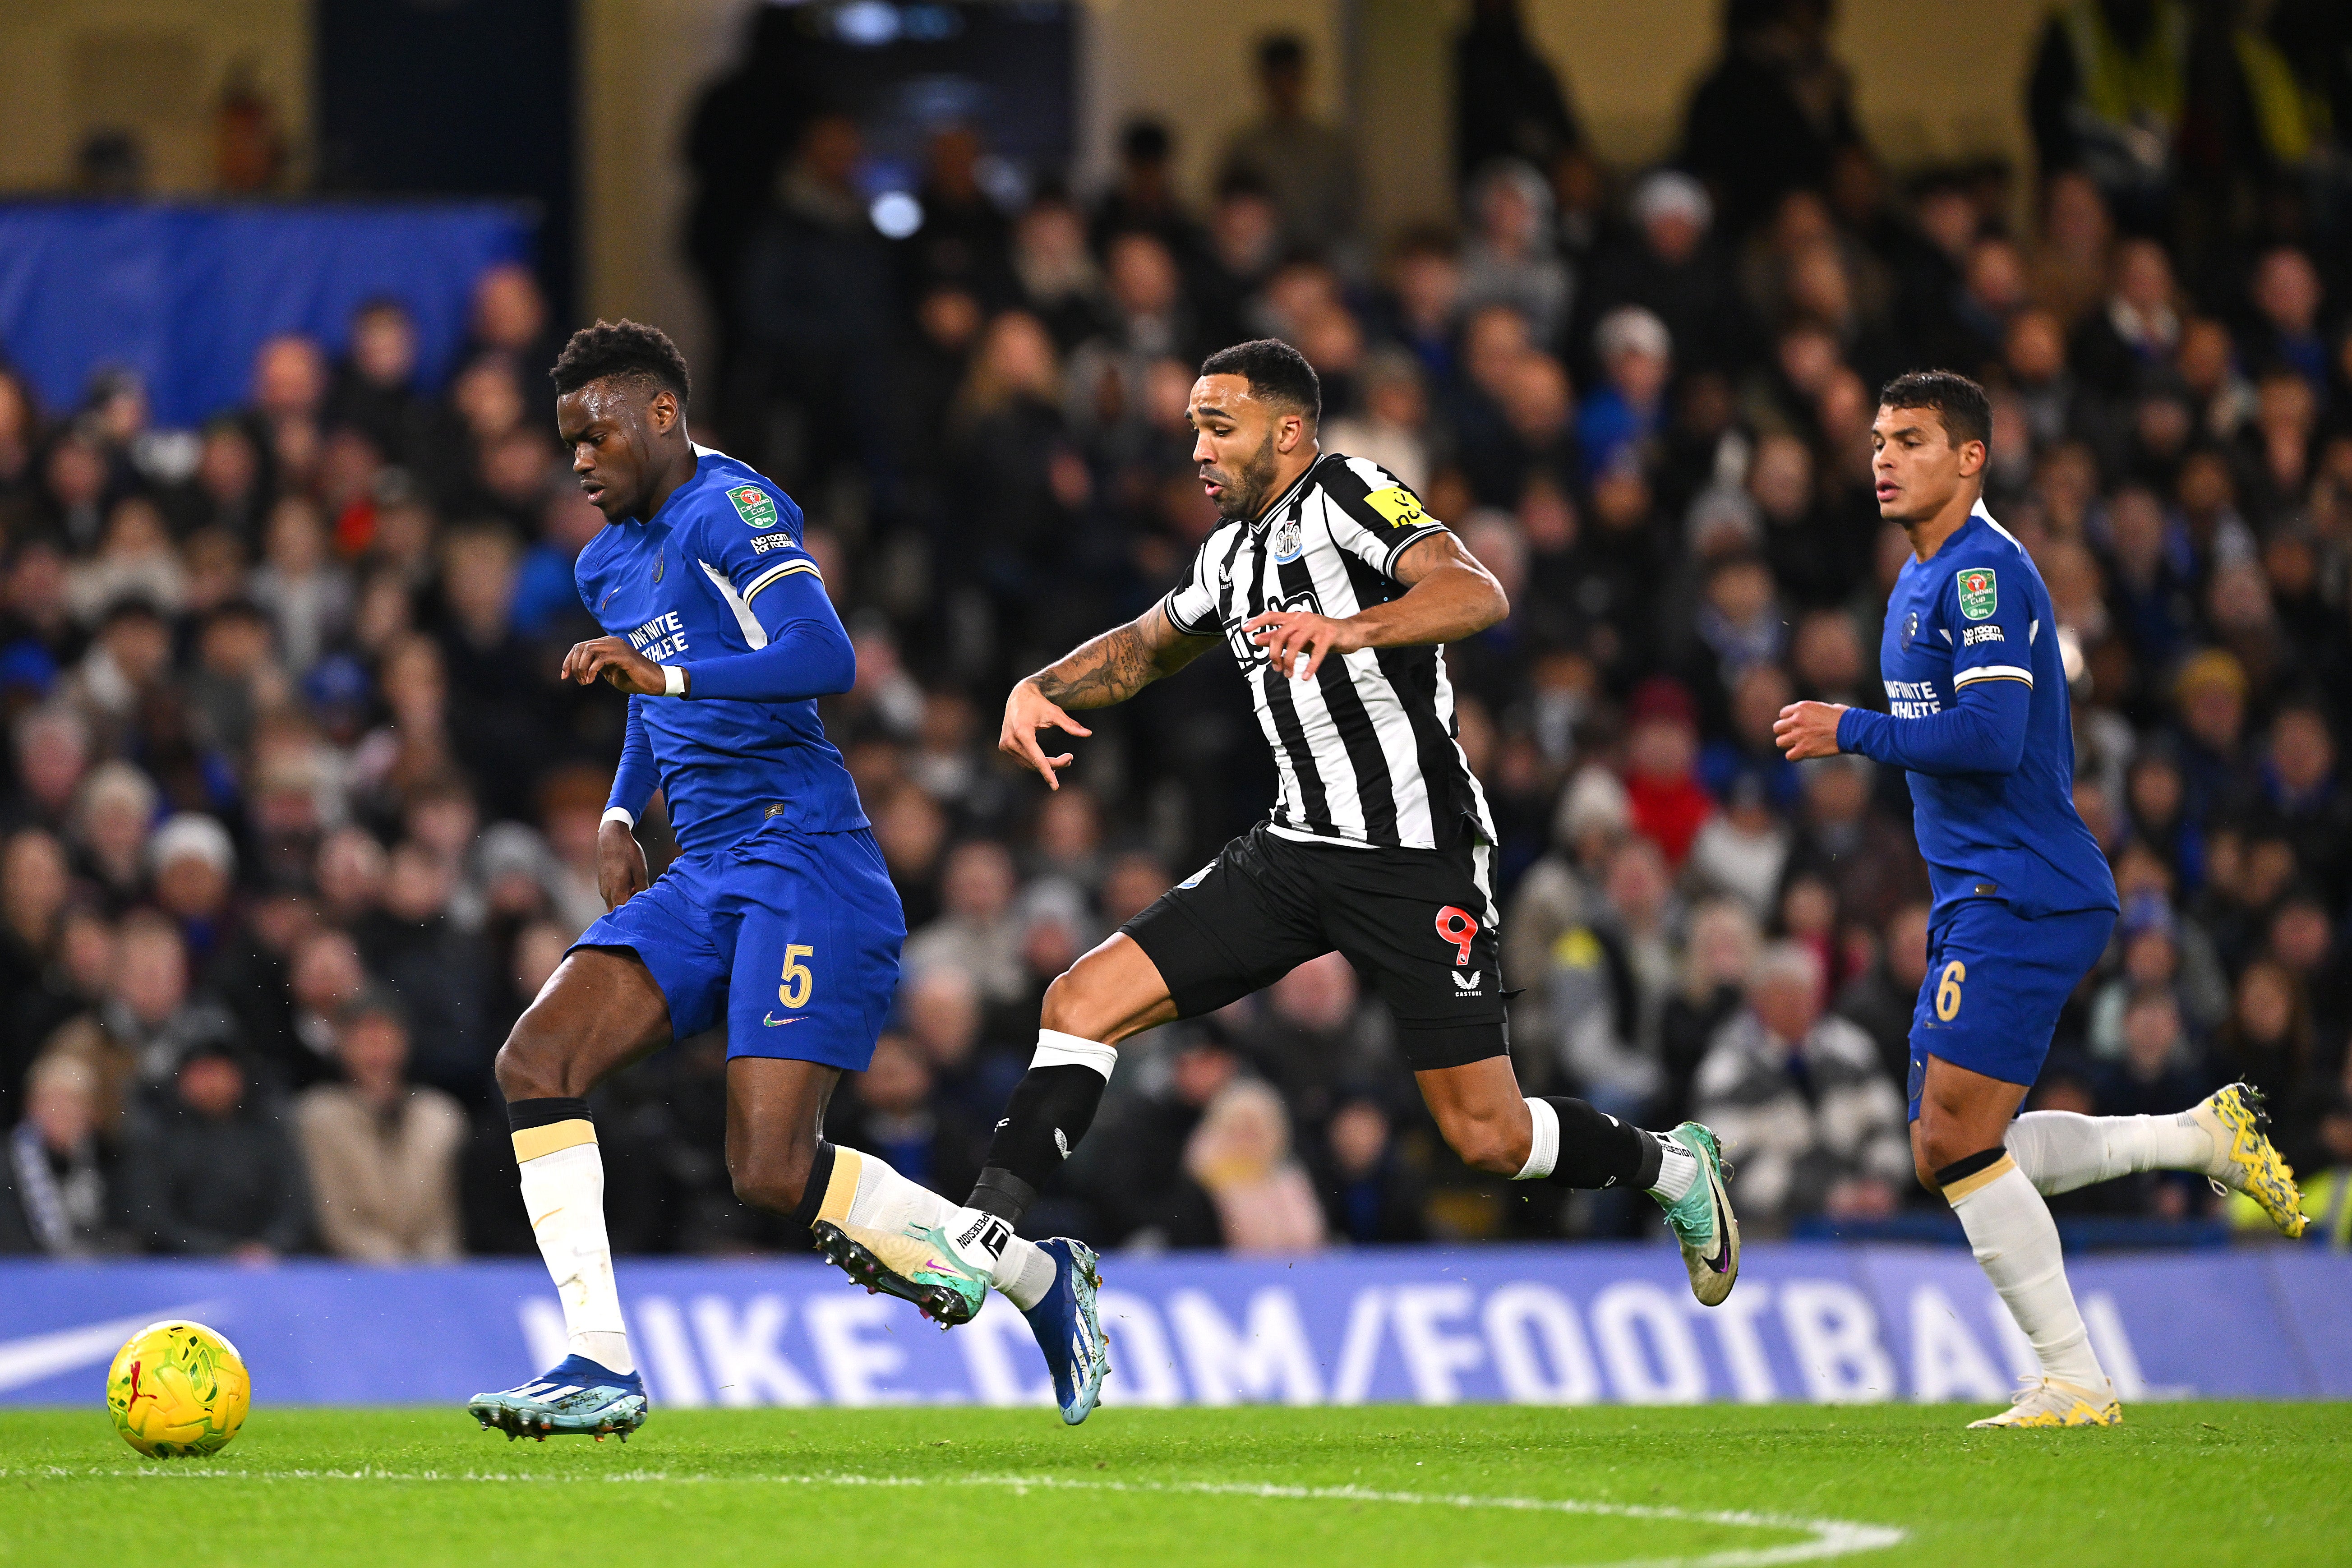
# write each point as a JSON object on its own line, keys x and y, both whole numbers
{"x": 1051, "y": 1109}
{"x": 525, "y": 1114}
{"x": 1967, "y": 1165}
{"x": 999, "y": 1191}
{"x": 819, "y": 1177}
{"x": 1596, "y": 1150}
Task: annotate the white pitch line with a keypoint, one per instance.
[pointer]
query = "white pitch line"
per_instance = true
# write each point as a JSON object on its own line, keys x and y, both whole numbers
{"x": 1831, "y": 1537}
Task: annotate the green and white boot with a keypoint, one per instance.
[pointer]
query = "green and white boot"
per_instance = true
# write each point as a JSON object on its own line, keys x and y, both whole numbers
{"x": 921, "y": 1267}
{"x": 1702, "y": 1220}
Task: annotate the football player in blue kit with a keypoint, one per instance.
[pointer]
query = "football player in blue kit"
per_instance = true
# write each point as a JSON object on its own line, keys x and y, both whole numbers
{"x": 2023, "y": 903}
{"x": 778, "y": 917}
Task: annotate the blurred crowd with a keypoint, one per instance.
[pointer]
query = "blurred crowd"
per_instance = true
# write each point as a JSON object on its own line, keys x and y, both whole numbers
{"x": 297, "y": 819}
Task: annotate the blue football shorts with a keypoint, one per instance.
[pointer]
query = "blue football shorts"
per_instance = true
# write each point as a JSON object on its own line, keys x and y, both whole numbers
{"x": 1996, "y": 982}
{"x": 792, "y": 937}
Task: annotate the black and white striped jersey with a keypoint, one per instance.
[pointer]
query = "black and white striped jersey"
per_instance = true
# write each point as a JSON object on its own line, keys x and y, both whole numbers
{"x": 1366, "y": 752}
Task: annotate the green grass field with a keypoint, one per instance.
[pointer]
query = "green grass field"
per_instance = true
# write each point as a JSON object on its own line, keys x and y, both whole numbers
{"x": 1490, "y": 1486}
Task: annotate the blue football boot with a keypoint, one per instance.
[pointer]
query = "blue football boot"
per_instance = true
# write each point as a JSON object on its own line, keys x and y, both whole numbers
{"x": 578, "y": 1397}
{"x": 1069, "y": 1330}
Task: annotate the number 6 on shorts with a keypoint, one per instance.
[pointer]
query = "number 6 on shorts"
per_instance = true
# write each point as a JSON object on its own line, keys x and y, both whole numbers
{"x": 1948, "y": 991}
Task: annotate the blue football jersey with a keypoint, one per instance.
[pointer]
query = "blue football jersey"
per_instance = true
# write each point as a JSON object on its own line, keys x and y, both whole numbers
{"x": 684, "y": 585}
{"x": 1978, "y": 611}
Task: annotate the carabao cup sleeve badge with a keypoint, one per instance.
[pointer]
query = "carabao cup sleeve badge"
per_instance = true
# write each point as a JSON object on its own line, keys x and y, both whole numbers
{"x": 1979, "y": 596}
{"x": 753, "y": 505}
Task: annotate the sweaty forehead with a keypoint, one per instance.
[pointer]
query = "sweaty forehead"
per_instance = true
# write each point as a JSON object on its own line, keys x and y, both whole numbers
{"x": 605, "y": 401}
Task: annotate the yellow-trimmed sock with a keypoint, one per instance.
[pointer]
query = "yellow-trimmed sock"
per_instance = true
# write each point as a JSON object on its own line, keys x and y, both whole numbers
{"x": 563, "y": 1174}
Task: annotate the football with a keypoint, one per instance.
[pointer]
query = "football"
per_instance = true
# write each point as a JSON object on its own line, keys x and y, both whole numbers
{"x": 177, "y": 1390}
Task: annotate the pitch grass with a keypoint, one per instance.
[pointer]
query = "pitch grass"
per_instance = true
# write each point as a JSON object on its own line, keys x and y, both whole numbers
{"x": 2202, "y": 1483}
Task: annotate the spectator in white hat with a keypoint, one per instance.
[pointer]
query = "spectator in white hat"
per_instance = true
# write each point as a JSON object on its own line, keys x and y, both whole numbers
{"x": 1627, "y": 412}
{"x": 196, "y": 868}
{"x": 1669, "y": 267}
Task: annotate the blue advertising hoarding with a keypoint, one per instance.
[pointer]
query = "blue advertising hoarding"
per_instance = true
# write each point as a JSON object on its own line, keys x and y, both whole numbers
{"x": 184, "y": 294}
{"x": 1535, "y": 1324}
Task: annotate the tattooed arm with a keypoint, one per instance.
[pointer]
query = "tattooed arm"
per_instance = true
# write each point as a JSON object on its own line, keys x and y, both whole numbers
{"x": 1111, "y": 669}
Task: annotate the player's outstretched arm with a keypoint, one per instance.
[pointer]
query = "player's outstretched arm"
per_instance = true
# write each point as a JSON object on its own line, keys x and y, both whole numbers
{"x": 1110, "y": 668}
{"x": 808, "y": 654}
{"x": 1983, "y": 733}
{"x": 1448, "y": 596}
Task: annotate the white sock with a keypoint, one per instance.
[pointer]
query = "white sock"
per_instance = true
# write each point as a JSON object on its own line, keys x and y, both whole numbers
{"x": 1023, "y": 1270}
{"x": 2059, "y": 1151}
{"x": 564, "y": 1192}
{"x": 2016, "y": 1243}
{"x": 1677, "y": 1171}
{"x": 872, "y": 1197}
{"x": 1055, "y": 1048}
{"x": 1543, "y": 1149}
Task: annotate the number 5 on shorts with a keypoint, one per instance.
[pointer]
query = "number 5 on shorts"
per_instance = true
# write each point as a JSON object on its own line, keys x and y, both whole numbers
{"x": 799, "y": 979}
{"x": 1947, "y": 990}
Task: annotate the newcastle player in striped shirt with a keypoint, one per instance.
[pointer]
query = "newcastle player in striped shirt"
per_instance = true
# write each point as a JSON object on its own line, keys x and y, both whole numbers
{"x": 1334, "y": 592}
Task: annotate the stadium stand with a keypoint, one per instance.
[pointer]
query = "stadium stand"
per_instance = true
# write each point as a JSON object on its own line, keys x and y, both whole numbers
{"x": 298, "y": 818}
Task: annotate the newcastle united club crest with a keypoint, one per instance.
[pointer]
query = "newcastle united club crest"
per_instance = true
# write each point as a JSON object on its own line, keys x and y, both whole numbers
{"x": 1286, "y": 539}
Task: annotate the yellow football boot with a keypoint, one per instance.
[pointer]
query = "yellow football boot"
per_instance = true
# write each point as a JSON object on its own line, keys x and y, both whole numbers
{"x": 2046, "y": 1401}
{"x": 2244, "y": 1159}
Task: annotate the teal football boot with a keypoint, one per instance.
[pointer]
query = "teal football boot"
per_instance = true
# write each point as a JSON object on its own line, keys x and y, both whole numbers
{"x": 577, "y": 1398}
{"x": 1702, "y": 1220}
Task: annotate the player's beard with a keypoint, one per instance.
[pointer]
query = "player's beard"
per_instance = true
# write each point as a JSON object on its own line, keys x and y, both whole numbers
{"x": 1245, "y": 493}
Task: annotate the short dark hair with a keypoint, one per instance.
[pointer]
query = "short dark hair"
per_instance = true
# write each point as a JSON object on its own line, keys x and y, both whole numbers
{"x": 1241, "y": 181}
{"x": 629, "y": 349}
{"x": 383, "y": 305}
{"x": 1275, "y": 371}
{"x": 1281, "y": 51}
{"x": 239, "y": 609}
{"x": 1146, "y": 140}
{"x": 2310, "y": 703}
{"x": 373, "y": 1004}
{"x": 130, "y": 606}
{"x": 1967, "y": 412}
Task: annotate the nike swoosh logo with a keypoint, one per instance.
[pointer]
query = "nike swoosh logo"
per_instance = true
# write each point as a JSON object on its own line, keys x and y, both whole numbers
{"x": 1721, "y": 1261}
{"x": 771, "y": 1021}
{"x": 36, "y": 1357}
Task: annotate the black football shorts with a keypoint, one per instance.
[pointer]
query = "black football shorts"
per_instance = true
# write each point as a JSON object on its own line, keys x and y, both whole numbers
{"x": 1417, "y": 924}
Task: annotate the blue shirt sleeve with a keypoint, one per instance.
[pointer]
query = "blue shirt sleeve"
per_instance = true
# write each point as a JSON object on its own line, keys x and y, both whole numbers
{"x": 1982, "y": 733}
{"x": 1986, "y": 618}
{"x": 808, "y": 652}
{"x": 773, "y": 585}
{"x": 633, "y": 779}
{"x": 1989, "y": 615}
